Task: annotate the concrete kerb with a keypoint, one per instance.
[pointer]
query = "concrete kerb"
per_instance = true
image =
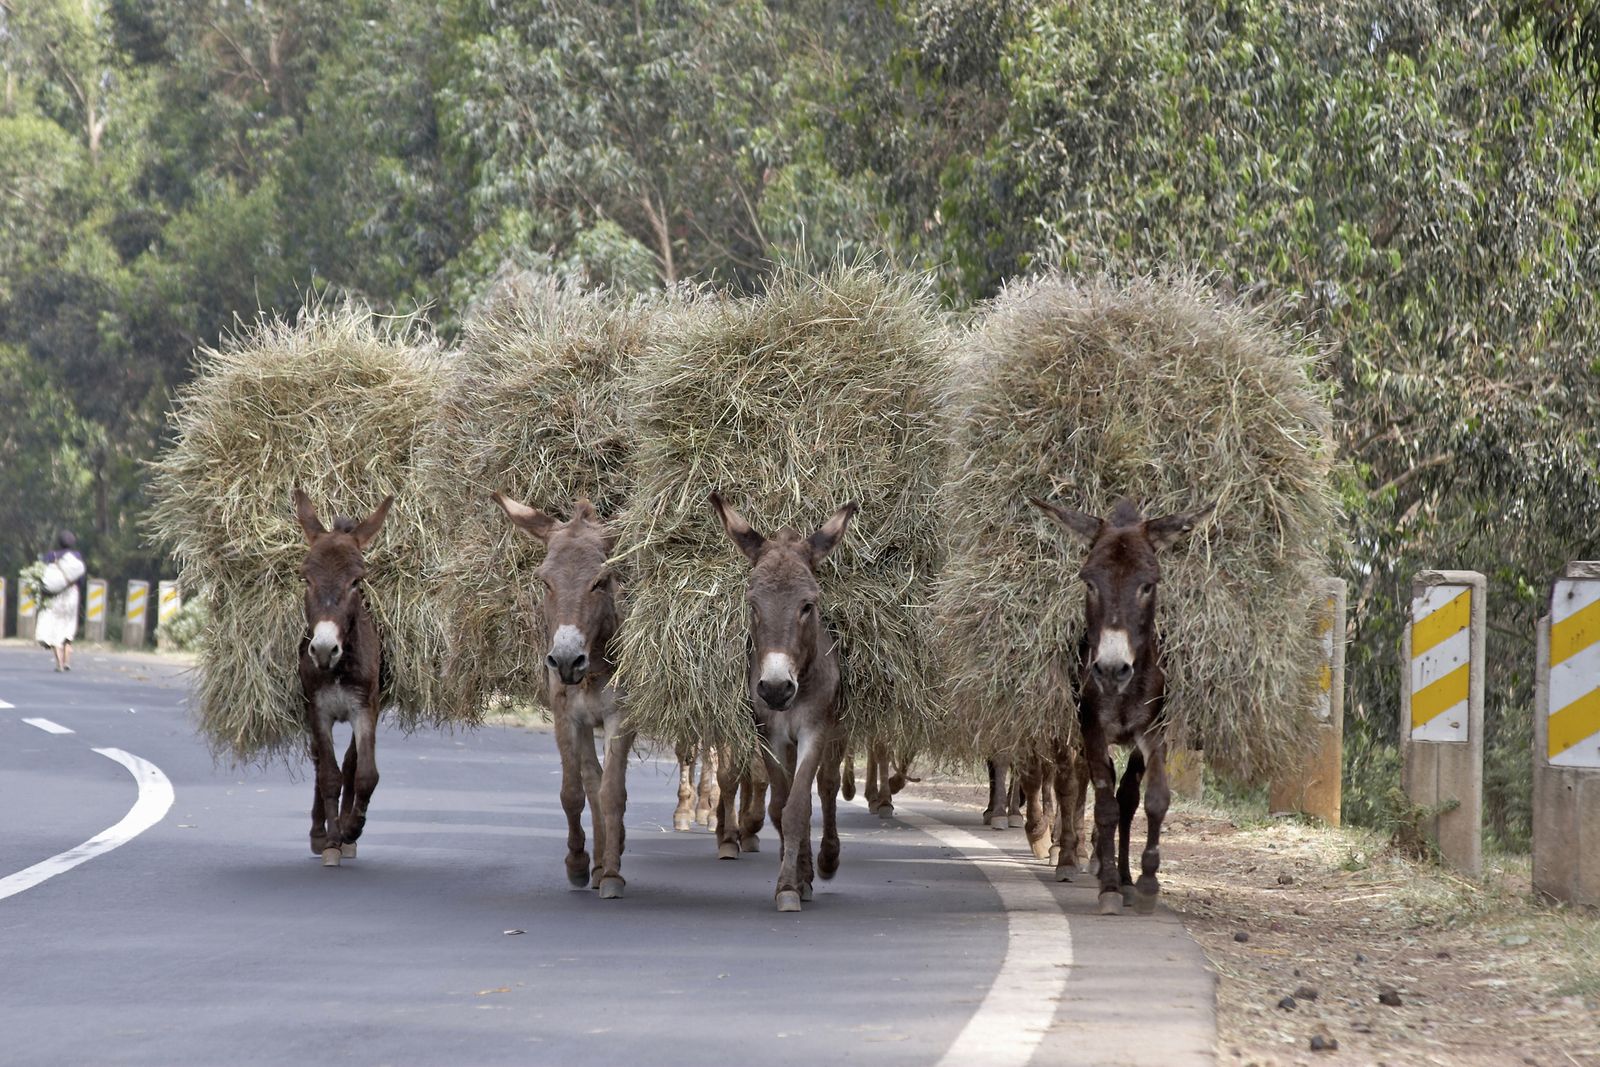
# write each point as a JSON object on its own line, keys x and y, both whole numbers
{"x": 1441, "y": 711}
{"x": 1566, "y": 772}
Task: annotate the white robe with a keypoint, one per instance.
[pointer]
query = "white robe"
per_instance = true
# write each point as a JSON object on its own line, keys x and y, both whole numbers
{"x": 58, "y": 617}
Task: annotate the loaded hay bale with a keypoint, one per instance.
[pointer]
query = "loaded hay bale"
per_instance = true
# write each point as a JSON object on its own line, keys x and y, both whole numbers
{"x": 336, "y": 403}
{"x": 535, "y": 409}
{"x": 1164, "y": 392}
{"x": 819, "y": 391}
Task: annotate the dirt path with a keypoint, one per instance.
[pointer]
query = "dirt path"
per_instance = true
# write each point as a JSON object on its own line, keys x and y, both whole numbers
{"x": 1474, "y": 972}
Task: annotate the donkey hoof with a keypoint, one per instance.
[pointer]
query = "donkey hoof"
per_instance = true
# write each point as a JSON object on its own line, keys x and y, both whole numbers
{"x": 1111, "y": 902}
{"x": 1041, "y": 849}
{"x": 885, "y": 811}
{"x": 682, "y": 822}
{"x": 751, "y": 843}
{"x": 727, "y": 850}
{"x": 1093, "y": 868}
{"x": 1066, "y": 872}
{"x": 1144, "y": 903}
{"x": 1128, "y": 894}
{"x": 348, "y": 851}
{"x": 805, "y": 891}
{"x": 788, "y": 900}
{"x": 611, "y": 888}
{"x": 1055, "y": 856}
{"x": 999, "y": 822}
{"x": 578, "y": 870}
{"x": 330, "y": 856}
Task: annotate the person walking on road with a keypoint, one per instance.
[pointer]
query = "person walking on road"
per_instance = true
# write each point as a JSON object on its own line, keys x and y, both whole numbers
{"x": 57, "y": 624}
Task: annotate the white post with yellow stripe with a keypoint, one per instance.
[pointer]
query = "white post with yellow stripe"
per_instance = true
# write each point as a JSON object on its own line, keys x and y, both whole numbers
{"x": 1315, "y": 786}
{"x": 1566, "y": 741}
{"x": 1441, "y": 711}
{"x": 169, "y": 601}
{"x": 134, "y": 622}
{"x": 5, "y": 606}
{"x": 27, "y": 608}
{"x": 94, "y": 611}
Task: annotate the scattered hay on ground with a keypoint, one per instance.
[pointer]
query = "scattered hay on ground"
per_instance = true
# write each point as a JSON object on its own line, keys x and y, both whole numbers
{"x": 1164, "y": 392}
{"x": 821, "y": 391}
{"x": 535, "y": 409}
{"x": 335, "y": 402}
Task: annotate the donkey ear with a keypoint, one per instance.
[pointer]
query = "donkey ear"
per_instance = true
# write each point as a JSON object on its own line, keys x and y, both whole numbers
{"x": 1084, "y": 525}
{"x": 530, "y": 520}
{"x": 368, "y": 528}
{"x": 830, "y": 533}
{"x": 739, "y": 531}
{"x": 306, "y": 513}
{"x": 1166, "y": 530}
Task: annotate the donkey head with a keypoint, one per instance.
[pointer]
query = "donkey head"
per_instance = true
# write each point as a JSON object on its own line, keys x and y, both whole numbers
{"x": 580, "y": 594}
{"x": 333, "y": 566}
{"x": 783, "y": 594}
{"x": 1119, "y": 576}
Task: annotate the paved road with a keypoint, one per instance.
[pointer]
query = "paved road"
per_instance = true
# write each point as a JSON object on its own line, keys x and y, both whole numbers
{"x": 216, "y": 937}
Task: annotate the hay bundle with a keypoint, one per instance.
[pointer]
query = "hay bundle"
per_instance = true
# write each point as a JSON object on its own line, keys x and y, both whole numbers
{"x": 822, "y": 390}
{"x": 335, "y": 402}
{"x": 1165, "y": 393}
{"x": 535, "y": 408}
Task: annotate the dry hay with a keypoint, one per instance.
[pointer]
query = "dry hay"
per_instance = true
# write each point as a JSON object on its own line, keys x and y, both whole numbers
{"x": 820, "y": 391}
{"x": 1161, "y": 391}
{"x": 335, "y": 402}
{"x": 535, "y": 409}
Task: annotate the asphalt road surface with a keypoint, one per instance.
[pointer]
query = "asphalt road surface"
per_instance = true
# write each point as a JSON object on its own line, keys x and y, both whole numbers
{"x": 158, "y": 909}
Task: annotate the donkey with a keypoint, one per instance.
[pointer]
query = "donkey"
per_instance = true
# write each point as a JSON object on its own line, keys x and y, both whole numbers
{"x": 580, "y": 611}
{"x": 341, "y": 666}
{"x": 695, "y": 806}
{"x": 795, "y": 690}
{"x": 886, "y": 775}
{"x": 1122, "y": 688}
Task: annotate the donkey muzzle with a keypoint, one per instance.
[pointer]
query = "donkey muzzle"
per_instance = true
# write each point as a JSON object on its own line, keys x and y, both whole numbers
{"x": 777, "y": 694}
{"x": 569, "y": 655}
{"x": 325, "y": 647}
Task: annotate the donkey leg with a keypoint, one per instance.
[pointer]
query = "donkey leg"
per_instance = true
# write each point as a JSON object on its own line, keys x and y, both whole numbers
{"x": 683, "y": 814}
{"x": 710, "y": 787}
{"x": 319, "y": 817}
{"x": 1103, "y": 774}
{"x": 828, "y": 790}
{"x": 1157, "y": 795}
{"x": 877, "y": 775}
{"x": 752, "y": 807}
{"x": 1069, "y": 782}
{"x": 999, "y": 776}
{"x": 364, "y": 743}
{"x": 848, "y": 776}
{"x": 589, "y": 766}
{"x": 1127, "y": 808}
{"x": 794, "y": 883}
{"x": 347, "y": 794}
{"x": 1034, "y": 824}
{"x": 613, "y": 805}
{"x": 329, "y": 779}
{"x": 572, "y": 795}
{"x": 727, "y": 812}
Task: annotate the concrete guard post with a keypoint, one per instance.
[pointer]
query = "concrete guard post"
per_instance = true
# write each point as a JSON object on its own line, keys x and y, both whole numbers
{"x": 169, "y": 602}
{"x": 133, "y": 622}
{"x": 27, "y": 609}
{"x": 5, "y": 607}
{"x": 1566, "y": 741}
{"x": 1316, "y": 788}
{"x": 1441, "y": 710}
{"x": 94, "y": 611}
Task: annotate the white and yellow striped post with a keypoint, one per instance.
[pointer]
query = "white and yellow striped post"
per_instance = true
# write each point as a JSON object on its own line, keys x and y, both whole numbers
{"x": 168, "y": 603}
{"x": 94, "y": 611}
{"x": 5, "y": 607}
{"x": 1441, "y": 711}
{"x": 134, "y": 621}
{"x": 1566, "y": 741}
{"x": 27, "y": 608}
{"x": 1315, "y": 787}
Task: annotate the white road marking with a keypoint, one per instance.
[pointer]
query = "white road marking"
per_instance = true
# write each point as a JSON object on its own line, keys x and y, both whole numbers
{"x": 4, "y": 705}
{"x": 155, "y": 798}
{"x": 47, "y": 726}
{"x": 1020, "y": 1006}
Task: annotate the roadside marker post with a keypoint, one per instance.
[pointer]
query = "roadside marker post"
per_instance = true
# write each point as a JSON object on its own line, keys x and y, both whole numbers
{"x": 5, "y": 606}
{"x": 1316, "y": 787}
{"x": 1566, "y": 741}
{"x": 1441, "y": 711}
{"x": 94, "y": 611}
{"x": 27, "y": 609}
{"x": 133, "y": 622}
{"x": 168, "y": 603}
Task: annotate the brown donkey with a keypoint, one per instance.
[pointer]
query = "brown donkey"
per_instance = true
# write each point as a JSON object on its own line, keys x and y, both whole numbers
{"x": 1122, "y": 690}
{"x": 341, "y": 664}
{"x": 580, "y": 611}
{"x": 794, "y": 690}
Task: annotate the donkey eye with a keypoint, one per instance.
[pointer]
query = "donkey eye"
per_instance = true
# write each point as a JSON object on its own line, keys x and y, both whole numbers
{"x": 600, "y": 583}
{"x": 1146, "y": 589}
{"x": 807, "y": 608}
